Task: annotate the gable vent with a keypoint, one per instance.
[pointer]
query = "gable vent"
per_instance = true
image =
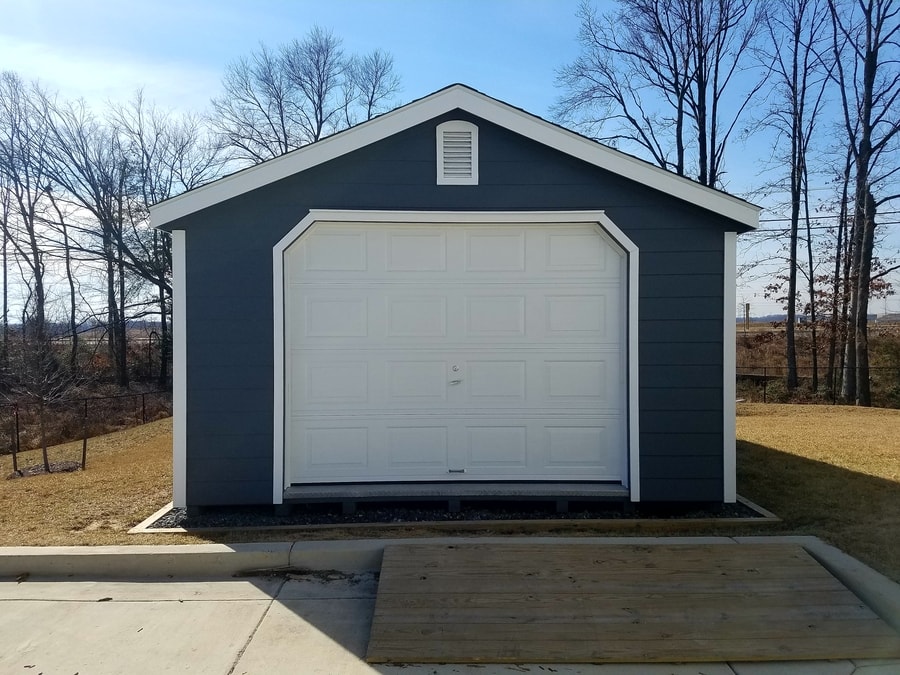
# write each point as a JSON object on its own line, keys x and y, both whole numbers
{"x": 457, "y": 153}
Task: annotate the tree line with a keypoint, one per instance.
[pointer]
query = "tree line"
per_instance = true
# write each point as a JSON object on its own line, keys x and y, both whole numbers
{"x": 675, "y": 81}
{"x": 816, "y": 83}
{"x": 76, "y": 184}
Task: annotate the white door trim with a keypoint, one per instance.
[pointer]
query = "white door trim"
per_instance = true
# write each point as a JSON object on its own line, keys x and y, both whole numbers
{"x": 446, "y": 217}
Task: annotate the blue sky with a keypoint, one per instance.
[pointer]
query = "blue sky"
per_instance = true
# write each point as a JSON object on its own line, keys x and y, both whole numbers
{"x": 103, "y": 49}
{"x": 177, "y": 51}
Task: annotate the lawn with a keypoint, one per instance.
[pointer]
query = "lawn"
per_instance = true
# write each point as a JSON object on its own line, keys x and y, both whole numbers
{"x": 830, "y": 471}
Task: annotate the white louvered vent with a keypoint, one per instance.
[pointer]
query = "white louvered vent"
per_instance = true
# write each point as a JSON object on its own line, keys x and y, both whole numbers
{"x": 457, "y": 151}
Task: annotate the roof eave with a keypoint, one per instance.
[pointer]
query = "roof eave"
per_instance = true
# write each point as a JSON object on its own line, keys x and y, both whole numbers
{"x": 434, "y": 105}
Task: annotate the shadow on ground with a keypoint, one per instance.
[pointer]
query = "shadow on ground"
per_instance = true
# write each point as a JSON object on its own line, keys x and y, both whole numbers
{"x": 856, "y": 512}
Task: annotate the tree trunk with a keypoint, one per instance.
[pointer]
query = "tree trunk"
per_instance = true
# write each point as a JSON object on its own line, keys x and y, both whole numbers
{"x": 163, "y": 378}
{"x": 839, "y": 290}
{"x": 4, "y": 346}
{"x": 813, "y": 317}
{"x": 42, "y": 419}
{"x": 73, "y": 304}
{"x": 863, "y": 390}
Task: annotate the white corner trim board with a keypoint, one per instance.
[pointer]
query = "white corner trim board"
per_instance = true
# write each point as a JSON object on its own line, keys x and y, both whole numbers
{"x": 729, "y": 370}
{"x": 179, "y": 371}
{"x": 631, "y": 461}
{"x": 474, "y": 102}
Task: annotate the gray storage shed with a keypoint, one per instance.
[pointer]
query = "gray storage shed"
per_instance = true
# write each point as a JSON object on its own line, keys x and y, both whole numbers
{"x": 456, "y": 297}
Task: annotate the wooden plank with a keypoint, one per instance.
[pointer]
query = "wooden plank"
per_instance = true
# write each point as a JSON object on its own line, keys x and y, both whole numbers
{"x": 630, "y": 651}
{"x": 585, "y": 603}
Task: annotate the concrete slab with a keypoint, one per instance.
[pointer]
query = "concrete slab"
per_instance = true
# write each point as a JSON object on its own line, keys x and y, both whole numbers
{"x": 125, "y": 637}
{"x": 330, "y": 586}
{"x": 195, "y": 560}
{"x": 878, "y": 669}
{"x": 795, "y": 668}
{"x": 311, "y": 636}
{"x": 142, "y": 590}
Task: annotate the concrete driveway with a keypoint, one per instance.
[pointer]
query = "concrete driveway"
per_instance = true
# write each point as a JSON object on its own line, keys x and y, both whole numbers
{"x": 306, "y": 623}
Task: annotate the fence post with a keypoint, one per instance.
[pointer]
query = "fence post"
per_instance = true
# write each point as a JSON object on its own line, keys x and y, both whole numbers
{"x": 84, "y": 436}
{"x": 16, "y": 446}
{"x": 144, "y": 408}
{"x": 765, "y": 384}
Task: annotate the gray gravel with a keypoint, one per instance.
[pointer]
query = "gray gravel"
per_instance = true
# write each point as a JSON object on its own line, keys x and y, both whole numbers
{"x": 330, "y": 514}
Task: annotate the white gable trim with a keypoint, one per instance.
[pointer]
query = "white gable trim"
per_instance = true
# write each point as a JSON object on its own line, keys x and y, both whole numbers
{"x": 443, "y": 101}
{"x": 729, "y": 370}
{"x": 323, "y": 215}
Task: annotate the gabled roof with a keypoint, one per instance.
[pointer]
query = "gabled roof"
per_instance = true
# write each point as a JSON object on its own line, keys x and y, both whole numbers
{"x": 431, "y": 106}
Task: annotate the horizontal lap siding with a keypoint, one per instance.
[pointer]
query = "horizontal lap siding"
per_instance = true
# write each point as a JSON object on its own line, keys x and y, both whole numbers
{"x": 681, "y": 367}
{"x": 230, "y": 316}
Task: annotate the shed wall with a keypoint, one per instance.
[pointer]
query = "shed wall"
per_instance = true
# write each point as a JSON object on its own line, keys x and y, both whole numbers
{"x": 230, "y": 316}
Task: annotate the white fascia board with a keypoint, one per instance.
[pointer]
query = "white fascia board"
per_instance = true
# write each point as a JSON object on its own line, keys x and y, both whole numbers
{"x": 179, "y": 371}
{"x": 729, "y": 370}
{"x": 476, "y": 103}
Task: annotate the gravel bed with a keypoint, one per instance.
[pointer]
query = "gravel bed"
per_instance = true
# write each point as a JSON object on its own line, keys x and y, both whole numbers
{"x": 406, "y": 512}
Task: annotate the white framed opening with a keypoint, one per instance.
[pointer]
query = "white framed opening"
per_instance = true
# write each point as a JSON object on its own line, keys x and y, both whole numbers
{"x": 351, "y": 380}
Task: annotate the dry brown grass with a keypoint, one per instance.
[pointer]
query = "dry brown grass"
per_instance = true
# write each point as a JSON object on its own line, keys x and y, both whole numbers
{"x": 128, "y": 477}
{"x": 829, "y": 471}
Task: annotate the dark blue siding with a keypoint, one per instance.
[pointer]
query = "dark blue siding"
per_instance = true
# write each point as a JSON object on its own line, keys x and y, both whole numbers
{"x": 230, "y": 316}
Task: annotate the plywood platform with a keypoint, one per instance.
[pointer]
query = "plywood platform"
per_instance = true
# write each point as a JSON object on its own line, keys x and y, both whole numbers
{"x": 573, "y": 603}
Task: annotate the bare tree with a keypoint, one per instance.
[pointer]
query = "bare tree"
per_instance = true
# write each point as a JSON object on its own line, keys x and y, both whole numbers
{"x": 169, "y": 155}
{"x": 89, "y": 165}
{"x": 316, "y": 66}
{"x": 374, "y": 82}
{"x": 657, "y": 73}
{"x": 24, "y": 164}
{"x": 796, "y": 38}
{"x": 257, "y": 114}
{"x": 277, "y": 100}
{"x": 5, "y": 235}
{"x": 867, "y": 53}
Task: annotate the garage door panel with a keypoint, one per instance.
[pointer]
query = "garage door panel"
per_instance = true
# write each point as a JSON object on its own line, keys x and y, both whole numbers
{"x": 495, "y": 250}
{"x": 336, "y": 316}
{"x": 494, "y": 446}
{"x": 454, "y": 352}
{"x": 491, "y": 379}
{"x": 423, "y": 379}
{"x": 457, "y": 448}
{"x": 419, "y": 316}
{"x": 333, "y": 382}
{"x": 434, "y": 315}
{"x": 493, "y": 316}
{"x": 339, "y": 448}
{"x": 576, "y": 446}
{"x": 418, "y": 447}
{"x": 416, "y": 250}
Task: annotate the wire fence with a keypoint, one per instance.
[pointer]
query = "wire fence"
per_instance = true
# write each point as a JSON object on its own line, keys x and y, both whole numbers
{"x": 768, "y": 384}
{"x": 68, "y": 420}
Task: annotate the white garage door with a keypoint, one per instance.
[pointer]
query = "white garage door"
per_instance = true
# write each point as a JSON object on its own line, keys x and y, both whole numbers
{"x": 454, "y": 352}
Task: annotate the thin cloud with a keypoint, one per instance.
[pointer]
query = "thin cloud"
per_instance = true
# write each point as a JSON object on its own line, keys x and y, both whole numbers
{"x": 101, "y": 77}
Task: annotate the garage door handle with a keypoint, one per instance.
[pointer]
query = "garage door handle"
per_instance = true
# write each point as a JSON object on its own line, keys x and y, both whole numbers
{"x": 455, "y": 381}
